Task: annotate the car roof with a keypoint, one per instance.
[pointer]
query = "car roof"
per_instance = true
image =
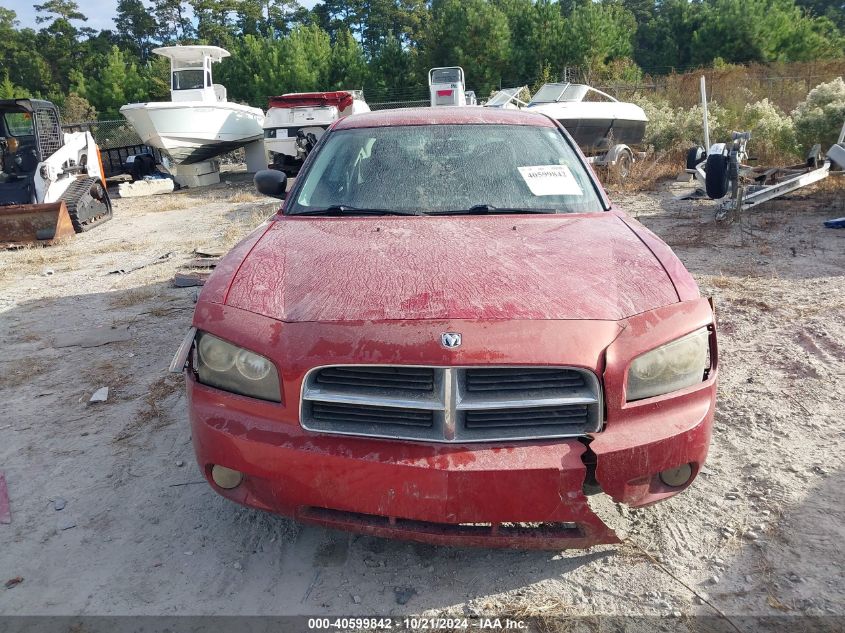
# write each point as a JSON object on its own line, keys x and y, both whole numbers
{"x": 466, "y": 115}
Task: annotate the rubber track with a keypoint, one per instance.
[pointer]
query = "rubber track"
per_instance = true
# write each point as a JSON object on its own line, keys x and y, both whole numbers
{"x": 71, "y": 198}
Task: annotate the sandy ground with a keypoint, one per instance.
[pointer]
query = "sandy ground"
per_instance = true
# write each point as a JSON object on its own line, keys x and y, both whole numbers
{"x": 760, "y": 532}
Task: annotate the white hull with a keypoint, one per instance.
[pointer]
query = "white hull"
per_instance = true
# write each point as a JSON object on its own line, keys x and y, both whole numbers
{"x": 191, "y": 131}
{"x": 282, "y": 124}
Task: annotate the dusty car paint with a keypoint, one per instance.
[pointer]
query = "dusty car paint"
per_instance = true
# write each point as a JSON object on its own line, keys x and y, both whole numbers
{"x": 591, "y": 291}
{"x": 589, "y": 266}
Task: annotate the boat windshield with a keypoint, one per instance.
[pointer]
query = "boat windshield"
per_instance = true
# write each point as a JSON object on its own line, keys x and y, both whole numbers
{"x": 189, "y": 79}
{"x": 553, "y": 93}
{"x": 446, "y": 169}
{"x": 504, "y": 96}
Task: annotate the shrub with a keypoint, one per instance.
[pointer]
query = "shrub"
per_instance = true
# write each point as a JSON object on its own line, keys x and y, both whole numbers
{"x": 77, "y": 109}
{"x": 819, "y": 118}
{"x": 677, "y": 129}
{"x": 772, "y": 132}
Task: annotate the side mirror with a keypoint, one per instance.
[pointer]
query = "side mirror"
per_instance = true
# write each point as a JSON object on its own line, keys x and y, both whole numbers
{"x": 271, "y": 182}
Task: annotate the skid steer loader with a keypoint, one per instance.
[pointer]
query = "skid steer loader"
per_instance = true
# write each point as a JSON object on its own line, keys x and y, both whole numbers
{"x": 52, "y": 184}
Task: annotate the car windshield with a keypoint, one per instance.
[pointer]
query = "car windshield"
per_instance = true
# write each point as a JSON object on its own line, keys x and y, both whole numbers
{"x": 431, "y": 169}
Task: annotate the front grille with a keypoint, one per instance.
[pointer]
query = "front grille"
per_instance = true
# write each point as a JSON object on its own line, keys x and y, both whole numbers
{"x": 452, "y": 404}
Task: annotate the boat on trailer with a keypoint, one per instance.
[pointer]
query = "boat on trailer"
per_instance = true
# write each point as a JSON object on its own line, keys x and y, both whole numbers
{"x": 198, "y": 123}
{"x": 607, "y": 130}
{"x": 593, "y": 118}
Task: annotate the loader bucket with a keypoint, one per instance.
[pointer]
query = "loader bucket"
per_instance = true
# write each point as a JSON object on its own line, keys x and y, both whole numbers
{"x": 34, "y": 224}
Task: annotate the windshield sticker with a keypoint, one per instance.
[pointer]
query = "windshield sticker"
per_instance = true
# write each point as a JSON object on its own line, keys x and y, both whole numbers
{"x": 550, "y": 180}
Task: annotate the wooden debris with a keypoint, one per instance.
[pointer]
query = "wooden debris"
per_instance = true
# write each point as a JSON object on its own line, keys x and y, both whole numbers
{"x": 203, "y": 262}
{"x": 194, "y": 278}
{"x": 209, "y": 252}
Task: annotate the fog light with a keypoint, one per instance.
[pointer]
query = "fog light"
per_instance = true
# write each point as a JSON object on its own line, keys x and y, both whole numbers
{"x": 676, "y": 477}
{"x": 226, "y": 478}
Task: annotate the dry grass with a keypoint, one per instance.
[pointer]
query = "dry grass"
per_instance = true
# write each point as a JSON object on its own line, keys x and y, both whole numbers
{"x": 241, "y": 226}
{"x": 18, "y": 372}
{"x": 646, "y": 173}
{"x": 172, "y": 202}
{"x": 119, "y": 246}
{"x": 106, "y": 373}
{"x": 723, "y": 282}
{"x": 153, "y": 415}
{"x": 133, "y": 296}
{"x": 245, "y": 196}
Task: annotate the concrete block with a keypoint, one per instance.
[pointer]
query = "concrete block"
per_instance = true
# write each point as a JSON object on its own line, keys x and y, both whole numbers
{"x": 145, "y": 187}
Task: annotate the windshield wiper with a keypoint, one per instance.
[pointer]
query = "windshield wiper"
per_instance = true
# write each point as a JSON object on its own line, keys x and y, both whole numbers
{"x": 481, "y": 209}
{"x": 344, "y": 209}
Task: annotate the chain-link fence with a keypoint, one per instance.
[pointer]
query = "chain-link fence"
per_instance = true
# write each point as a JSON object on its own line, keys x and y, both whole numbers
{"x": 117, "y": 141}
{"x": 389, "y": 105}
{"x": 108, "y": 134}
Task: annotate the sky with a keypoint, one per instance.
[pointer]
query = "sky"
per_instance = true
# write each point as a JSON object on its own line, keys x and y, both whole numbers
{"x": 100, "y": 13}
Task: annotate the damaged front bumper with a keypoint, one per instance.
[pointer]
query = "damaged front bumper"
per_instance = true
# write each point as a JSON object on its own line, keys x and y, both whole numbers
{"x": 521, "y": 494}
{"x": 526, "y": 495}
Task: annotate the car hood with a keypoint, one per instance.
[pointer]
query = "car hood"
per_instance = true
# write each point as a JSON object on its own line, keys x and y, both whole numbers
{"x": 588, "y": 266}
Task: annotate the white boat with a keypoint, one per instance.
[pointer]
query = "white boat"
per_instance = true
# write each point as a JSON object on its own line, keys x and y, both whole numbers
{"x": 595, "y": 120}
{"x": 446, "y": 87}
{"x": 198, "y": 122}
{"x": 296, "y": 121}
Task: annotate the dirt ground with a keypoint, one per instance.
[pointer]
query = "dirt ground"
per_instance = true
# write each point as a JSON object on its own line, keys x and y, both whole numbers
{"x": 760, "y": 532}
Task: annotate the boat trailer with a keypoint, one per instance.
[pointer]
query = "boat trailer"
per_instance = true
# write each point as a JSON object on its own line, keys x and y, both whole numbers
{"x": 724, "y": 169}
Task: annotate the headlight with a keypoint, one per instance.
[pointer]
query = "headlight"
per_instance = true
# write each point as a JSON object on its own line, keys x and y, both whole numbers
{"x": 670, "y": 367}
{"x": 231, "y": 368}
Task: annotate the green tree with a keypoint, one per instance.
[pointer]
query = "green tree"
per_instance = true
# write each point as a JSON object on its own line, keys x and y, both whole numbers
{"x": 392, "y": 73}
{"x": 834, "y": 10}
{"x": 8, "y": 90}
{"x": 77, "y": 109}
{"x": 59, "y": 41}
{"x": 173, "y": 19}
{"x": 347, "y": 66}
{"x": 62, "y": 10}
{"x": 597, "y": 34}
{"x": 308, "y": 56}
{"x": 268, "y": 18}
{"x": 215, "y": 21}
{"x": 762, "y": 31}
{"x": 119, "y": 82}
{"x": 548, "y": 39}
{"x": 666, "y": 42}
{"x": 473, "y": 34}
{"x": 136, "y": 26}
{"x": 524, "y": 60}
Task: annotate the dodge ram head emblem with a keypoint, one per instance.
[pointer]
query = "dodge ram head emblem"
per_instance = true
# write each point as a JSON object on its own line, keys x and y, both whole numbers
{"x": 450, "y": 340}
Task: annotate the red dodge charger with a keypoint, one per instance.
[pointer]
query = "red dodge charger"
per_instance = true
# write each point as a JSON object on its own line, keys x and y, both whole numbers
{"x": 449, "y": 334}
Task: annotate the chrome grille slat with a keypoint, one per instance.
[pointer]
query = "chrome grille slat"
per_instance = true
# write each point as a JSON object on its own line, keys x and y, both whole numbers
{"x": 452, "y": 404}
